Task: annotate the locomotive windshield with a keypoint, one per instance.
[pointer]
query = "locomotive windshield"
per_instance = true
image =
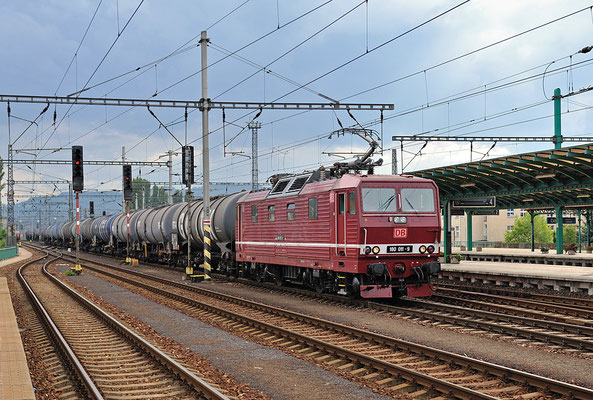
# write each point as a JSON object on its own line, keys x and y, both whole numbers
{"x": 415, "y": 200}
{"x": 379, "y": 199}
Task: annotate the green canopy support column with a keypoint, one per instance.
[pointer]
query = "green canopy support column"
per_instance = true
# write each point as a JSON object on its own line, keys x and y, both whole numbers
{"x": 447, "y": 231}
{"x": 557, "y": 119}
{"x": 588, "y": 219}
{"x": 532, "y": 217}
{"x": 468, "y": 216}
{"x": 559, "y": 229}
{"x": 579, "y": 231}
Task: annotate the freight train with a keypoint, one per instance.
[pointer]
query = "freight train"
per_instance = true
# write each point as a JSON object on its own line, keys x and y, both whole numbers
{"x": 362, "y": 235}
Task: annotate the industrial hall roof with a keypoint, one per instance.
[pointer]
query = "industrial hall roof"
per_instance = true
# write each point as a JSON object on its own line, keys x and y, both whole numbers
{"x": 541, "y": 179}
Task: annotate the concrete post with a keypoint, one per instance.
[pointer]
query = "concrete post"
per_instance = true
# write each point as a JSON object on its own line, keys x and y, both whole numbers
{"x": 205, "y": 155}
{"x": 468, "y": 216}
{"x": 559, "y": 229}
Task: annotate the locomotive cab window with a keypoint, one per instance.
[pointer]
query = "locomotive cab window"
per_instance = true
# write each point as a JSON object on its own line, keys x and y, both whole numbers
{"x": 313, "y": 208}
{"x": 290, "y": 211}
{"x": 342, "y": 201}
{"x": 379, "y": 199}
{"x": 417, "y": 199}
{"x": 254, "y": 213}
{"x": 271, "y": 213}
{"x": 352, "y": 203}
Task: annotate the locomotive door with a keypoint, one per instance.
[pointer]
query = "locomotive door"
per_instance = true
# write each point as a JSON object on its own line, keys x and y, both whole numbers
{"x": 341, "y": 224}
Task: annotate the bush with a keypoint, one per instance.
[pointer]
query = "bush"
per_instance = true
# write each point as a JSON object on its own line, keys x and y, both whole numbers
{"x": 544, "y": 249}
{"x": 569, "y": 247}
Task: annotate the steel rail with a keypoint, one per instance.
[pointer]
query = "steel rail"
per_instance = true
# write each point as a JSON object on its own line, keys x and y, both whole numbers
{"x": 577, "y": 312}
{"x": 533, "y": 380}
{"x": 197, "y": 383}
{"x": 54, "y": 332}
{"x": 575, "y": 301}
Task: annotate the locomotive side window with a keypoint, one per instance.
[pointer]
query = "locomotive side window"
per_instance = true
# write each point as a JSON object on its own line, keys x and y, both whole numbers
{"x": 254, "y": 213}
{"x": 421, "y": 199}
{"x": 342, "y": 200}
{"x": 379, "y": 199}
{"x": 290, "y": 211}
{"x": 352, "y": 203}
{"x": 313, "y": 208}
{"x": 271, "y": 213}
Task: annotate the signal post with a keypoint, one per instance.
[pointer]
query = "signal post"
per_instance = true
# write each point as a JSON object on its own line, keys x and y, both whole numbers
{"x": 127, "y": 189}
{"x": 78, "y": 187}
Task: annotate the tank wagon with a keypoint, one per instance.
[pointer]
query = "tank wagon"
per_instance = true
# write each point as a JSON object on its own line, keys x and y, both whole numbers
{"x": 375, "y": 236}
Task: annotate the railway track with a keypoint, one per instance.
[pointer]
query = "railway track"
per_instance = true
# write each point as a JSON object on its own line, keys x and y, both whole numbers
{"x": 555, "y": 331}
{"x": 399, "y": 366}
{"x": 585, "y": 303}
{"x": 109, "y": 360}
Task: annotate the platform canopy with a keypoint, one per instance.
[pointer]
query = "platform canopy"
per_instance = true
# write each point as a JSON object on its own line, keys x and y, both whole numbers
{"x": 541, "y": 179}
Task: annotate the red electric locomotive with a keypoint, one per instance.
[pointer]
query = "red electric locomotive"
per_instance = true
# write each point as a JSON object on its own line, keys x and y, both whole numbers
{"x": 374, "y": 236}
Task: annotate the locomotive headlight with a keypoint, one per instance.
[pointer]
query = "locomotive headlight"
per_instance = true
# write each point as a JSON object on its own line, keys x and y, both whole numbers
{"x": 376, "y": 250}
{"x": 400, "y": 220}
{"x": 430, "y": 249}
{"x": 367, "y": 250}
{"x": 422, "y": 249}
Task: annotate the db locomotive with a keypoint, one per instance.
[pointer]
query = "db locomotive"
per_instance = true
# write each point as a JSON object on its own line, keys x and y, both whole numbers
{"x": 362, "y": 235}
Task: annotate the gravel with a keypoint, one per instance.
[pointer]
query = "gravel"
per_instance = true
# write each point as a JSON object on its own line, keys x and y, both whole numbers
{"x": 539, "y": 360}
{"x": 269, "y": 370}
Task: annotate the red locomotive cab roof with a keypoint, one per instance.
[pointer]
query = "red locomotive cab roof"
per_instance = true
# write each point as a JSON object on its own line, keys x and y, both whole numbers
{"x": 344, "y": 182}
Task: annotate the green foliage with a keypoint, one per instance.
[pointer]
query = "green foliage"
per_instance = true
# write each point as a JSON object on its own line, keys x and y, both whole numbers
{"x": 139, "y": 185}
{"x": 3, "y": 235}
{"x": 521, "y": 231}
{"x": 570, "y": 247}
{"x": 69, "y": 272}
{"x": 569, "y": 234}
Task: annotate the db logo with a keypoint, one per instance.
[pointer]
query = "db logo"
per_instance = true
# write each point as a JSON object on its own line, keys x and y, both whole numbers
{"x": 400, "y": 232}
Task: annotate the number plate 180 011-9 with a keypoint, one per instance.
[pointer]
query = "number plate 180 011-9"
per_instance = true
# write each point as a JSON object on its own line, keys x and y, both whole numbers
{"x": 399, "y": 249}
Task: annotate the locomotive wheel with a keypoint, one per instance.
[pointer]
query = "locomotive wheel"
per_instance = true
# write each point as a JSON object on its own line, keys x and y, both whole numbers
{"x": 318, "y": 285}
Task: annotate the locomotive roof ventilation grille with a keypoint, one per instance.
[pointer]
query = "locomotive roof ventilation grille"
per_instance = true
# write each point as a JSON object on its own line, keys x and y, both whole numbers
{"x": 291, "y": 185}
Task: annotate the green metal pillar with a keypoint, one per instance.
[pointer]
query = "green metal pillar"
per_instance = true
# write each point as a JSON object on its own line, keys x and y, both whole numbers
{"x": 532, "y": 217}
{"x": 557, "y": 120}
{"x": 447, "y": 231}
{"x": 559, "y": 229}
{"x": 468, "y": 216}
{"x": 579, "y": 231}
{"x": 588, "y": 218}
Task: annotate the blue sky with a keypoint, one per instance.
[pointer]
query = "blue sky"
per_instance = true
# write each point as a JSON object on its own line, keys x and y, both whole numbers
{"x": 40, "y": 39}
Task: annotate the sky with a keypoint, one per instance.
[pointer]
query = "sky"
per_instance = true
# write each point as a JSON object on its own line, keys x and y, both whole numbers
{"x": 413, "y": 55}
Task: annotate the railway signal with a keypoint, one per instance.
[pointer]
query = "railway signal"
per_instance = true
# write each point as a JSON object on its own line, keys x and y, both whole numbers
{"x": 77, "y": 186}
{"x": 127, "y": 182}
{"x": 77, "y": 169}
{"x": 92, "y": 209}
{"x": 187, "y": 164}
{"x": 127, "y": 186}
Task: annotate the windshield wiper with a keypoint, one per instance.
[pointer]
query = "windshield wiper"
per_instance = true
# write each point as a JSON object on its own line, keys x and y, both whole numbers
{"x": 384, "y": 206}
{"x": 410, "y": 204}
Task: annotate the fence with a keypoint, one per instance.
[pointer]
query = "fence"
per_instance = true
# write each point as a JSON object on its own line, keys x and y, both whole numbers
{"x": 8, "y": 252}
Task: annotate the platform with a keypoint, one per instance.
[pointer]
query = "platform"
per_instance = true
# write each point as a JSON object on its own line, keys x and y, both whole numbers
{"x": 541, "y": 276}
{"x": 22, "y": 255}
{"x": 15, "y": 382}
{"x": 526, "y": 256}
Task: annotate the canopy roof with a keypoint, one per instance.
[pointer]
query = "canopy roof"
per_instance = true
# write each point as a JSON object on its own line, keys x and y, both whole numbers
{"x": 542, "y": 179}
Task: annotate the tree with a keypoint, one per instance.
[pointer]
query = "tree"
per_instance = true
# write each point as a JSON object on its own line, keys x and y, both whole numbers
{"x": 140, "y": 185}
{"x": 521, "y": 230}
{"x": 569, "y": 234}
